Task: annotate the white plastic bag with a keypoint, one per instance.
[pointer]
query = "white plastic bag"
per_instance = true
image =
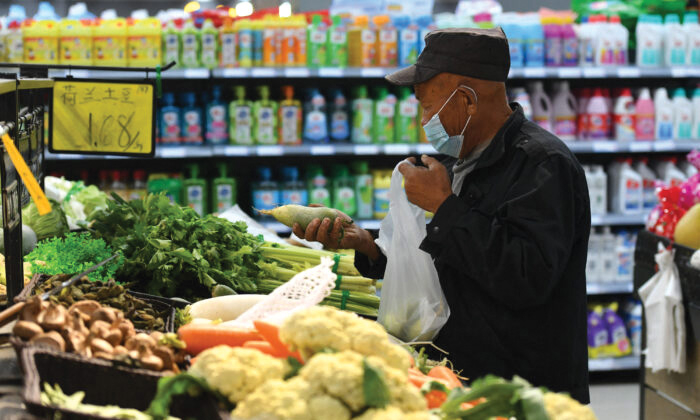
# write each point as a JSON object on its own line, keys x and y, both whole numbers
{"x": 413, "y": 307}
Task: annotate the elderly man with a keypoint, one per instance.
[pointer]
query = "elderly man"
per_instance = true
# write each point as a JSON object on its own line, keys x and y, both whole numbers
{"x": 510, "y": 234}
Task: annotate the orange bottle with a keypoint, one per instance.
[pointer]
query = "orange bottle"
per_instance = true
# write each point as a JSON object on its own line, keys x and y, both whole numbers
{"x": 387, "y": 42}
{"x": 362, "y": 40}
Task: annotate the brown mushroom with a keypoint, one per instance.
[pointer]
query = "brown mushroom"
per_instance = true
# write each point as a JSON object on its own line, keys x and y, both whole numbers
{"x": 99, "y": 328}
{"x": 126, "y": 328}
{"x": 105, "y": 314}
{"x": 53, "y": 317}
{"x": 87, "y": 307}
{"x": 120, "y": 350}
{"x": 26, "y": 329}
{"x": 114, "y": 336}
{"x": 31, "y": 309}
{"x": 149, "y": 360}
{"x": 76, "y": 323}
{"x": 99, "y": 345}
{"x": 76, "y": 341}
{"x": 50, "y": 339}
{"x": 103, "y": 355}
{"x": 166, "y": 355}
{"x": 157, "y": 335}
{"x": 134, "y": 342}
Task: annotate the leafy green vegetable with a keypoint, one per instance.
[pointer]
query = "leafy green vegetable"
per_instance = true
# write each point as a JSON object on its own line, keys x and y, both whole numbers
{"x": 295, "y": 366}
{"x": 74, "y": 253}
{"x": 89, "y": 196}
{"x": 182, "y": 317}
{"x": 172, "y": 386}
{"x": 48, "y": 225}
{"x": 374, "y": 387}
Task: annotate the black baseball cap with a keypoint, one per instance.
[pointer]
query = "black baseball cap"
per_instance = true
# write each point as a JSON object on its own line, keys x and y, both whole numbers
{"x": 473, "y": 52}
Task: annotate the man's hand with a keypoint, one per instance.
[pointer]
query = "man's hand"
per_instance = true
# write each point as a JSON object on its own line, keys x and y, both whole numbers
{"x": 428, "y": 187}
{"x": 333, "y": 237}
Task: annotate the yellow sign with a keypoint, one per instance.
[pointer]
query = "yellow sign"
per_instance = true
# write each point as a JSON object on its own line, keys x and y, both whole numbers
{"x": 42, "y": 203}
{"x": 99, "y": 117}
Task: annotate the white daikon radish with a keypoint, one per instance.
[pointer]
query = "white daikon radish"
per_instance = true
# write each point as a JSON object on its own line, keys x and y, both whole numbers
{"x": 225, "y": 308}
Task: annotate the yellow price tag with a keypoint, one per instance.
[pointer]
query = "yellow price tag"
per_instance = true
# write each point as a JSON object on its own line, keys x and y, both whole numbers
{"x": 42, "y": 203}
{"x": 92, "y": 117}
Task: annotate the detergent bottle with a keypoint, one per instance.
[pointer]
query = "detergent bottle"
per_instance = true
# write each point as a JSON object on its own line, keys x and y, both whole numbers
{"x": 406, "y": 116}
{"x": 245, "y": 42}
{"x": 292, "y": 188}
{"x": 14, "y": 43}
{"x": 696, "y": 114}
{"x": 343, "y": 196}
{"x": 362, "y": 112}
{"x": 109, "y": 43}
{"x": 569, "y": 44}
{"x": 210, "y": 45}
{"x": 280, "y": 58}
{"x": 382, "y": 184}
{"x": 289, "y": 118}
{"x": 625, "y": 186}
{"x": 169, "y": 120}
{"x": 195, "y": 191}
{"x": 362, "y": 40}
{"x": 387, "y": 42}
{"x": 408, "y": 40}
{"x": 582, "y": 113}
{"x": 337, "y": 44}
{"x": 552, "y": 41}
{"x": 605, "y": 45}
{"x": 623, "y": 116}
{"x": 541, "y": 106}
{"x": 692, "y": 32}
{"x": 144, "y": 43}
{"x": 40, "y": 40}
{"x": 257, "y": 27}
{"x": 265, "y": 117}
{"x": 217, "y": 119}
{"x": 266, "y": 193}
{"x": 649, "y": 41}
{"x": 363, "y": 189}
{"x": 521, "y": 97}
{"x": 75, "y": 40}
{"x": 288, "y": 42}
{"x": 669, "y": 173}
{"x": 191, "y": 48}
{"x": 269, "y": 45}
{"x": 649, "y": 199}
{"x": 534, "y": 44}
{"x": 300, "y": 44}
{"x": 645, "y": 119}
{"x": 339, "y": 117}
{"x": 315, "y": 122}
{"x": 171, "y": 43}
{"x": 223, "y": 191}
{"x": 620, "y": 41}
{"x": 675, "y": 40}
{"x": 598, "y": 116}
{"x": 586, "y": 42}
{"x": 317, "y": 42}
{"x": 192, "y": 120}
{"x": 227, "y": 45}
{"x": 383, "y": 121}
{"x": 664, "y": 114}
{"x": 682, "y": 115}
{"x": 564, "y": 112}
{"x": 240, "y": 119}
{"x": 425, "y": 25}
{"x": 317, "y": 186}
{"x": 3, "y": 46}
{"x": 514, "y": 33}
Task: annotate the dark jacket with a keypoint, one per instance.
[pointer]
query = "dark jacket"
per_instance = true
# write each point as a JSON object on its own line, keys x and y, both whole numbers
{"x": 510, "y": 251}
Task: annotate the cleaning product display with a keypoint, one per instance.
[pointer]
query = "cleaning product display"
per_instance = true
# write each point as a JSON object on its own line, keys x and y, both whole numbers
{"x": 608, "y": 333}
{"x": 610, "y": 256}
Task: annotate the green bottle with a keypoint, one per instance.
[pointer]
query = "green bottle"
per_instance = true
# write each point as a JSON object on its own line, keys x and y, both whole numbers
{"x": 337, "y": 44}
{"x": 362, "y": 110}
{"x": 223, "y": 191}
{"x": 384, "y": 110}
{"x": 265, "y": 118}
{"x": 316, "y": 44}
{"x": 171, "y": 44}
{"x": 317, "y": 186}
{"x": 171, "y": 185}
{"x": 406, "y": 116}
{"x": 210, "y": 45}
{"x": 195, "y": 191}
{"x": 363, "y": 189}
{"x": 240, "y": 119}
{"x": 191, "y": 48}
{"x": 344, "y": 191}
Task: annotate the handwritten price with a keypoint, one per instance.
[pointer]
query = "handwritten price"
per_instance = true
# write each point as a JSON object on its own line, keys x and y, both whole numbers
{"x": 110, "y": 127}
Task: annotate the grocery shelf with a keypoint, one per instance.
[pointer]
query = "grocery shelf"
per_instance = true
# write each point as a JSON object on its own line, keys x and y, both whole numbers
{"x": 609, "y": 288}
{"x": 614, "y": 363}
{"x": 613, "y": 219}
{"x": 612, "y": 146}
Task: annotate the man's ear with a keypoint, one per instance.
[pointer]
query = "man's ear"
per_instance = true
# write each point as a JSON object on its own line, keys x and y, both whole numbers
{"x": 469, "y": 99}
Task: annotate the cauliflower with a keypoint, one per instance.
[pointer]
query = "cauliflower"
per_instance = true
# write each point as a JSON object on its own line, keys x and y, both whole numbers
{"x": 237, "y": 371}
{"x": 322, "y": 327}
{"x": 393, "y": 413}
{"x": 563, "y": 407}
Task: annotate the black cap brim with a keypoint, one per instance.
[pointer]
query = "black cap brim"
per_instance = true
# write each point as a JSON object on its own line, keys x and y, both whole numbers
{"x": 412, "y": 75}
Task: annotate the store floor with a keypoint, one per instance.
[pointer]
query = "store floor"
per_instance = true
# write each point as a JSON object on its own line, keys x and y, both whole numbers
{"x": 616, "y": 401}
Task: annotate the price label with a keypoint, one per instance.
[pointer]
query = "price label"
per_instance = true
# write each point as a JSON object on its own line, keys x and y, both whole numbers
{"x": 534, "y": 72}
{"x": 372, "y": 72}
{"x": 98, "y": 117}
{"x": 604, "y": 147}
{"x": 365, "y": 149}
{"x": 42, "y": 203}
{"x": 569, "y": 72}
{"x": 236, "y": 151}
{"x": 593, "y": 72}
{"x": 679, "y": 72}
{"x": 172, "y": 152}
{"x": 640, "y": 147}
{"x": 297, "y": 72}
{"x": 234, "y": 73}
{"x": 325, "y": 150}
{"x": 262, "y": 72}
{"x": 425, "y": 149}
{"x": 596, "y": 220}
{"x": 664, "y": 146}
{"x": 270, "y": 151}
{"x": 196, "y": 74}
{"x": 628, "y": 72}
{"x": 397, "y": 149}
{"x": 330, "y": 72}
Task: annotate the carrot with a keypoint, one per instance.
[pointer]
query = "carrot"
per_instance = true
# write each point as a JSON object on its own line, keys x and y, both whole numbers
{"x": 416, "y": 377}
{"x": 200, "y": 337}
{"x": 446, "y": 374}
{"x": 271, "y": 333}
{"x": 264, "y": 347}
{"x": 435, "y": 398}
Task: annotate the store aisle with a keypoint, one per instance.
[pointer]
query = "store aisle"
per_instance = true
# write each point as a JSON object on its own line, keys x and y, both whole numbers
{"x": 616, "y": 401}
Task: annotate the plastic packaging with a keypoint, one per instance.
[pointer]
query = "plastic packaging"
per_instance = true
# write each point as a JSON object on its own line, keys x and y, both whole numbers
{"x": 40, "y": 40}
{"x": 623, "y": 116}
{"x": 240, "y": 119}
{"x": 256, "y": 31}
{"x": 195, "y": 191}
{"x": 520, "y": 96}
{"x": 553, "y": 42}
{"x": 317, "y": 42}
{"x": 598, "y": 189}
{"x": 210, "y": 45}
{"x": 217, "y": 119}
{"x": 266, "y": 194}
{"x": 362, "y": 112}
{"x": 618, "y": 342}
{"x": 362, "y": 40}
{"x": 598, "y": 116}
{"x": 669, "y": 173}
{"x": 243, "y": 29}
{"x": 363, "y": 189}
{"x": 264, "y": 118}
{"x": 144, "y": 43}
{"x": 675, "y": 41}
{"x": 696, "y": 114}
{"x": 383, "y": 119}
{"x": 293, "y": 190}
{"x": 408, "y": 40}
{"x": 387, "y": 42}
{"x": 223, "y": 191}
{"x": 664, "y": 115}
{"x": 343, "y": 196}
{"x": 625, "y": 187}
{"x": 645, "y": 119}
{"x": 191, "y": 49}
{"x": 650, "y": 37}
{"x": 317, "y": 186}
{"x": 587, "y": 40}
{"x": 582, "y": 119}
{"x": 620, "y": 41}
{"x": 75, "y": 40}
{"x": 692, "y": 32}
{"x": 14, "y": 43}
{"x": 169, "y": 120}
{"x": 337, "y": 44}
{"x": 564, "y": 106}
{"x": 315, "y": 123}
{"x": 171, "y": 43}
{"x": 382, "y": 181}
{"x": 541, "y": 106}
{"x": 290, "y": 120}
{"x": 649, "y": 199}
{"x": 569, "y": 45}
{"x": 682, "y": 115}
{"x": 597, "y": 333}
{"x": 227, "y": 45}
{"x": 192, "y": 120}
{"x": 534, "y": 44}
{"x": 406, "y": 116}
{"x": 339, "y": 117}
{"x": 605, "y": 41}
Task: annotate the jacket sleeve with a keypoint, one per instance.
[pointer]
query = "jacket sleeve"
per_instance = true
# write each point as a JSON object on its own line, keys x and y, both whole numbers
{"x": 368, "y": 268}
{"x": 517, "y": 254}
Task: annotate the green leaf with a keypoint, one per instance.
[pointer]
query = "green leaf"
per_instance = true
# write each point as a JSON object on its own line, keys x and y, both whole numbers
{"x": 181, "y": 384}
{"x": 294, "y": 366}
{"x": 374, "y": 387}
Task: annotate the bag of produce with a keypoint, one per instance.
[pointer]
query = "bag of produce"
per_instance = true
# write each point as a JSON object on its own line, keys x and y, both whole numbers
{"x": 413, "y": 307}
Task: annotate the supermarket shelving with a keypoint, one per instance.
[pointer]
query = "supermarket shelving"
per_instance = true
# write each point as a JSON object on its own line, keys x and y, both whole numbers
{"x": 596, "y": 288}
{"x": 614, "y": 363}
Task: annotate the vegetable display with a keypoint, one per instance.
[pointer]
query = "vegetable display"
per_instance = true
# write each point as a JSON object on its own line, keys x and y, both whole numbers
{"x": 49, "y": 225}
{"x": 76, "y": 199}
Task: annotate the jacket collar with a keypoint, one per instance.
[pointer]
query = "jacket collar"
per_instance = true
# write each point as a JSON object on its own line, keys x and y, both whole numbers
{"x": 497, "y": 148}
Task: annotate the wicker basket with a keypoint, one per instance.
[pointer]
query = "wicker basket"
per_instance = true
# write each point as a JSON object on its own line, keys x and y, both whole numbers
{"x": 102, "y": 383}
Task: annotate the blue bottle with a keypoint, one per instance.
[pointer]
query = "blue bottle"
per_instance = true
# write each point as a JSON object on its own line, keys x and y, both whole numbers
{"x": 339, "y": 117}
{"x": 169, "y": 120}
{"x": 408, "y": 40}
{"x": 425, "y": 25}
{"x": 315, "y": 122}
{"x": 293, "y": 190}
{"x": 265, "y": 191}
{"x": 534, "y": 45}
{"x": 515, "y": 43}
{"x": 192, "y": 121}
{"x": 217, "y": 118}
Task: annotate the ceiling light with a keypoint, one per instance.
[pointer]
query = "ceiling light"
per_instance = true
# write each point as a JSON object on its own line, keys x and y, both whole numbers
{"x": 244, "y": 8}
{"x": 285, "y": 9}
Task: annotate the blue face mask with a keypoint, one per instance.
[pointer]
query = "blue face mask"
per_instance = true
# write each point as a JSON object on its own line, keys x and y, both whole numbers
{"x": 438, "y": 137}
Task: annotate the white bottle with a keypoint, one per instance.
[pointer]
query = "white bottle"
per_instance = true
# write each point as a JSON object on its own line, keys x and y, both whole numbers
{"x": 625, "y": 188}
{"x": 564, "y": 113}
{"x": 692, "y": 33}
{"x": 688, "y": 169}
{"x": 696, "y": 114}
{"x": 624, "y": 252}
{"x": 620, "y": 36}
{"x": 609, "y": 257}
{"x": 623, "y": 116}
{"x": 593, "y": 263}
{"x": 669, "y": 173}
{"x": 600, "y": 189}
{"x": 675, "y": 41}
{"x": 664, "y": 114}
{"x": 682, "y": 115}
{"x": 541, "y": 106}
{"x": 634, "y": 326}
{"x": 649, "y": 41}
{"x": 520, "y": 96}
{"x": 649, "y": 198}
{"x": 585, "y": 32}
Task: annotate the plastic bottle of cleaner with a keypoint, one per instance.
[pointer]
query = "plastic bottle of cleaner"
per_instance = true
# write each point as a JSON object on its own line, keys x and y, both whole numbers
{"x": 682, "y": 115}
{"x": 139, "y": 188}
{"x": 75, "y": 39}
{"x": 649, "y": 199}
{"x": 157, "y": 183}
{"x": 696, "y": 114}
{"x": 190, "y": 45}
{"x": 269, "y": 43}
{"x": 569, "y": 44}
{"x": 362, "y": 41}
{"x": 317, "y": 42}
{"x": 692, "y": 33}
{"x": 337, "y": 44}
{"x": 625, "y": 186}
{"x": 266, "y": 193}
{"x": 315, "y": 123}
{"x": 608, "y": 257}
{"x": 598, "y": 115}
{"x": 649, "y": 41}
{"x": 593, "y": 261}
{"x": 634, "y": 326}
{"x": 406, "y": 116}
{"x": 169, "y": 120}
{"x": 256, "y": 30}
{"x": 289, "y": 118}
{"x": 195, "y": 191}
{"x": 582, "y": 114}
{"x": 217, "y": 119}
{"x": 618, "y": 342}
{"x": 223, "y": 191}
{"x": 40, "y": 42}
{"x": 387, "y": 42}
{"x": 171, "y": 43}
{"x": 383, "y": 119}
{"x": 3, "y": 46}
{"x": 598, "y": 189}
{"x": 14, "y": 43}
{"x": 363, "y": 189}
{"x": 288, "y": 35}
{"x": 541, "y": 106}
{"x": 143, "y": 43}
{"x": 281, "y": 51}
{"x": 425, "y": 24}
{"x": 586, "y": 43}
{"x": 210, "y": 45}
{"x": 339, "y": 117}
{"x": 605, "y": 41}
{"x": 343, "y": 191}
{"x": 408, "y": 40}
{"x": 534, "y": 45}
{"x": 620, "y": 41}
{"x": 664, "y": 114}
{"x": 669, "y": 173}
{"x": 240, "y": 119}
{"x": 293, "y": 190}
{"x": 520, "y": 96}
{"x": 515, "y": 44}
{"x": 244, "y": 34}
{"x": 192, "y": 131}
{"x": 265, "y": 118}
{"x": 645, "y": 120}
{"x": 227, "y": 45}
{"x": 564, "y": 113}
{"x": 362, "y": 111}
{"x": 300, "y": 44}
{"x": 552, "y": 41}
{"x": 382, "y": 183}
{"x": 675, "y": 40}
{"x": 317, "y": 186}
{"x": 597, "y": 333}
{"x": 624, "y": 113}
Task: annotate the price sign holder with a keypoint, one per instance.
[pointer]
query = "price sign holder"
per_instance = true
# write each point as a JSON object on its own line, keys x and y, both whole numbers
{"x": 103, "y": 117}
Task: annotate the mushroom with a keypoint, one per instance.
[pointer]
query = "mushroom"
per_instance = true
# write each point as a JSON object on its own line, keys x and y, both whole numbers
{"x": 103, "y": 355}
{"x": 149, "y": 360}
{"x": 50, "y": 339}
{"x": 31, "y": 309}
{"x": 26, "y": 329}
{"x": 98, "y": 345}
{"x": 87, "y": 307}
{"x": 166, "y": 355}
{"x": 126, "y": 328}
{"x": 76, "y": 341}
{"x": 76, "y": 322}
{"x": 134, "y": 342}
{"x": 104, "y": 314}
{"x": 157, "y": 335}
{"x": 120, "y": 350}
{"x": 114, "y": 336}
{"x": 99, "y": 328}
{"x": 53, "y": 317}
